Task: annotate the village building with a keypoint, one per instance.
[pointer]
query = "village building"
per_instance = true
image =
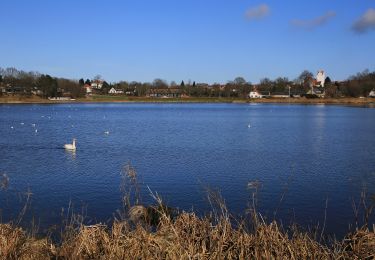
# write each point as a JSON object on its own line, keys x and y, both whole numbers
{"x": 316, "y": 85}
{"x": 115, "y": 91}
{"x": 97, "y": 84}
{"x": 165, "y": 93}
{"x": 88, "y": 89}
{"x": 372, "y": 93}
{"x": 316, "y": 92}
{"x": 320, "y": 78}
{"x": 14, "y": 90}
{"x": 255, "y": 94}
{"x": 280, "y": 95}
{"x": 36, "y": 91}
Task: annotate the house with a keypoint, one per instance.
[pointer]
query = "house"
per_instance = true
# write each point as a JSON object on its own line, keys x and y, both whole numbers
{"x": 88, "y": 89}
{"x": 115, "y": 91}
{"x": 61, "y": 98}
{"x": 165, "y": 92}
{"x": 36, "y": 91}
{"x": 372, "y": 93}
{"x": 12, "y": 90}
{"x": 297, "y": 93}
{"x": 280, "y": 95}
{"x": 315, "y": 92}
{"x": 97, "y": 84}
{"x": 255, "y": 94}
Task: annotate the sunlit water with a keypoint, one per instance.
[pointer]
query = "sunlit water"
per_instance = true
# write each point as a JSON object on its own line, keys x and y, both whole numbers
{"x": 303, "y": 156}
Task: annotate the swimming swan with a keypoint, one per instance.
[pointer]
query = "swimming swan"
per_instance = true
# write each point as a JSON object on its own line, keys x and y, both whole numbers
{"x": 71, "y": 146}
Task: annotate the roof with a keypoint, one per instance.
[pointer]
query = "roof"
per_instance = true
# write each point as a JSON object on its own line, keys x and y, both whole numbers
{"x": 165, "y": 91}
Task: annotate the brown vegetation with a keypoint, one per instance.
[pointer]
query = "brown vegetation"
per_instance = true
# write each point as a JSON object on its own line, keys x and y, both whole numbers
{"x": 186, "y": 237}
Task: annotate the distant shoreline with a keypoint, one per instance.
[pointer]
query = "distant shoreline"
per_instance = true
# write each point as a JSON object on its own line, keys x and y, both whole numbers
{"x": 125, "y": 99}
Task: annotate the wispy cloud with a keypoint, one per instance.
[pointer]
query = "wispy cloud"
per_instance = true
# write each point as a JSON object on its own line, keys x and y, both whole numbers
{"x": 313, "y": 23}
{"x": 257, "y": 12}
{"x": 366, "y": 22}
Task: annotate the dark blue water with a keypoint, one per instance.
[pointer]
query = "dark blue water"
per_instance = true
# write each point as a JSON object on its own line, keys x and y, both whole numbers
{"x": 311, "y": 154}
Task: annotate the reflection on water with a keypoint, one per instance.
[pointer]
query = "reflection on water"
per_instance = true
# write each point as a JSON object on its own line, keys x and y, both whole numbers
{"x": 71, "y": 154}
{"x": 318, "y": 152}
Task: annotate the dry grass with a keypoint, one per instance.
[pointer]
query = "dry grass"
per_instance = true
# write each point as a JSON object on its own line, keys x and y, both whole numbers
{"x": 16, "y": 244}
{"x": 187, "y": 237}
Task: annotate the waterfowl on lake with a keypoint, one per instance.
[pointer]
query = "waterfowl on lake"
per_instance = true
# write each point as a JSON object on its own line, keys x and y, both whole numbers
{"x": 71, "y": 146}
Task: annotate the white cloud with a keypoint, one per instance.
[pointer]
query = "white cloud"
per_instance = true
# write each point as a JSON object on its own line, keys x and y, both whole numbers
{"x": 257, "y": 12}
{"x": 313, "y": 23}
{"x": 366, "y": 22}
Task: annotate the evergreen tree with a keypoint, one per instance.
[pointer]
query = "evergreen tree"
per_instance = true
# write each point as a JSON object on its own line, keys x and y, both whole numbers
{"x": 48, "y": 85}
{"x": 328, "y": 80}
{"x": 182, "y": 84}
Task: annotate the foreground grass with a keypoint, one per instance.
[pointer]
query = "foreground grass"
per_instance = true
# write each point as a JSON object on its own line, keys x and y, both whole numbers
{"x": 186, "y": 237}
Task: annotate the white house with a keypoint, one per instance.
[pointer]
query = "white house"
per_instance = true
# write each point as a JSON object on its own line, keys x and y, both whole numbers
{"x": 115, "y": 91}
{"x": 255, "y": 94}
{"x": 372, "y": 93}
{"x": 98, "y": 84}
{"x": 88, "y": 89}
{"x": 320, "y": 78}
{"x": 316, "y": 91}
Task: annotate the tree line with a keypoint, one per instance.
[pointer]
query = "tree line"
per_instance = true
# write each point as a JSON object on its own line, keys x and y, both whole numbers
{"x": 29, "y": 83}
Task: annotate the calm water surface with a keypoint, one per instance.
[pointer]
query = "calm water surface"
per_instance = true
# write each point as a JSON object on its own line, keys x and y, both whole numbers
{"x": 311, "y": 154}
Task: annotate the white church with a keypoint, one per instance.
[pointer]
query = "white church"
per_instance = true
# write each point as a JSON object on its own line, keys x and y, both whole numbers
{"x": 320, "y": 78}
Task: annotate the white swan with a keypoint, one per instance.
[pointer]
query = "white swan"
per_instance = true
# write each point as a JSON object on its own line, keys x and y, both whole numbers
{"x": 71, "y": 146}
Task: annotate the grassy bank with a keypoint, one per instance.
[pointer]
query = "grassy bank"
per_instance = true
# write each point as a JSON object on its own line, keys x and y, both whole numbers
{"x": 185, "y": 237}
{"x": 111, "y": 98}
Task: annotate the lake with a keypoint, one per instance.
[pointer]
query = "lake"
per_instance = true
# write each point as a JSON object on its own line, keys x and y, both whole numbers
{"x": 304, "y": 156}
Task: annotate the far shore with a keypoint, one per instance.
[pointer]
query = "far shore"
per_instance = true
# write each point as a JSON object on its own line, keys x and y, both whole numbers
{"x": 127, "y": 99}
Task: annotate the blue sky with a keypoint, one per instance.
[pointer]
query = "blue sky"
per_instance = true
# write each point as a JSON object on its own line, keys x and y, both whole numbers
{"x": 201, "y": 40}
